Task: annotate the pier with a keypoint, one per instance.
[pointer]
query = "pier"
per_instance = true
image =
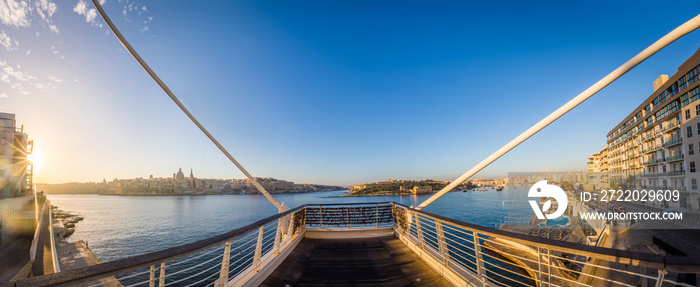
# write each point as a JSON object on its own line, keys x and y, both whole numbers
{"x": 363, "y": 244}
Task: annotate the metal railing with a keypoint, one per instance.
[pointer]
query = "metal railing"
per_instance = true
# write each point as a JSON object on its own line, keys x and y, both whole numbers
{"x": 472, "y": 254}
{"x": 223, "y": 258}
{"x": 37, "y": 232}
{"x": 485, "y": 257}
{"x": 348, "y": 215}
{"x": 54, "y": 252}
{"x": 675, "y": 157}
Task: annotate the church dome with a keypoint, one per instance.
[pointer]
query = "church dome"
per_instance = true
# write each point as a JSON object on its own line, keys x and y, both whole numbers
{"x": 180, "y": 175}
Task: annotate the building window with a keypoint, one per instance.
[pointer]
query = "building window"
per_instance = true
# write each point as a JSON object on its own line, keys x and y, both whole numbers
{"x": 692, "y": 166}
{"x": 687, "y": 114}
{"x": 694, "y": 183}
{"x": 690, "y": 131}
{"x": 690, "y": 149}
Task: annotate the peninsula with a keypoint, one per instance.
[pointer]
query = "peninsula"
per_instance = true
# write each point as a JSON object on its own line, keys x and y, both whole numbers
{"x": 179, "y": 184}
{"x": 401, "y": 187}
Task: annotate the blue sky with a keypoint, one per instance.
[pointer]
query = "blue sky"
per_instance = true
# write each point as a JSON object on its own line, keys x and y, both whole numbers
{"x": 335, "y": 92}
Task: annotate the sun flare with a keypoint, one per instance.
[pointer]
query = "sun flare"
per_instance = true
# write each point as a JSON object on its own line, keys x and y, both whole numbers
{"x": 35, "y": 159}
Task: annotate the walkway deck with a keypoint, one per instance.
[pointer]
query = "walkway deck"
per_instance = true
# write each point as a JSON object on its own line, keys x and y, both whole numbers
{"x": 382, "y": 261}
{"x": 44, "y": 258}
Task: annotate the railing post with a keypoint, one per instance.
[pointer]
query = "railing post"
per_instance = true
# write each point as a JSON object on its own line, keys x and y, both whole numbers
{"x": 376, "y": 219}
{"x": 419, "y": 231}
{"x": 258, "y": 250}
{"x": 290, "y": 226}
{"x": 223, "y": 277}
{"x": 278, "y": 235}
{"x": 152, "y": 280}
{"x": 541, "y": 272}
{"x": 161, "y": 282}
{"x": 479, "y": 259}
{"x": 539, "y": 266}
{"x": 549, "y": 268}
{"x": 660, "y": 279}
{"x": 442, "y": 243}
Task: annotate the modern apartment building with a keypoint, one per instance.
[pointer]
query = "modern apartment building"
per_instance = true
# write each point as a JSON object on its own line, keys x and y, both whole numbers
{"x": 657, "y": 146}
{"x": 15, "y": 169}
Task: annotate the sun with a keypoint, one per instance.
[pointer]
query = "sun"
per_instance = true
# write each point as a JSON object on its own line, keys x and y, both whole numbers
{"x": 35, "y": 159}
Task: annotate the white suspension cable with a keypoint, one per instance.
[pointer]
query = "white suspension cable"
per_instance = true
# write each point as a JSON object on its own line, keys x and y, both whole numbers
{"x": 674, "y": 35}
{"x": 172, "y": 96}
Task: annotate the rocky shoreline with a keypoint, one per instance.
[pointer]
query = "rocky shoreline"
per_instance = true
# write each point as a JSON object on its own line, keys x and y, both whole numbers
{"x": 67, "y": 219}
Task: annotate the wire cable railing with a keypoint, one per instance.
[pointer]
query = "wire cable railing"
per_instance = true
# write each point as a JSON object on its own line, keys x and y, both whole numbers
{"x": 481, "y": 256}
{"x": 472, "y": 254}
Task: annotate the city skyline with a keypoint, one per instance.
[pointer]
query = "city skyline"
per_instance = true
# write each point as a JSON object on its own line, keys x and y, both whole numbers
{"x": 329, "y": 93}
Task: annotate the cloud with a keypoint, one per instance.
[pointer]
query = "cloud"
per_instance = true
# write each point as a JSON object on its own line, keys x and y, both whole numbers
{"x": 14, "y": 13}
{"x": 138, "y": 13}
{"x": 45, "y": 9}
{"x": 8, "y": 43}
{"x": 17, "y": 74}
{"x": 16, "y": 78}
{"x": 81, "y": 9}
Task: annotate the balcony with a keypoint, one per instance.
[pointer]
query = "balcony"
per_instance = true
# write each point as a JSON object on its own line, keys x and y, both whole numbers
{"x": 673, "y": 142}
{"x": 676, "y": 173}
{"x": 674, "y": 158}
{"x": 664, "y": 174}
{"x": 672, "y": 127}
{"x": 679, "y": 188}
{"x": 651, "y": 149}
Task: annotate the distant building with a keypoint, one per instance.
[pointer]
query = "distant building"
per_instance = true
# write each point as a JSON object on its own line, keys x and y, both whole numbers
{"x": 422, "y": 189}
{"x": 657, "y": 145}
{"x": 16, "y": 173}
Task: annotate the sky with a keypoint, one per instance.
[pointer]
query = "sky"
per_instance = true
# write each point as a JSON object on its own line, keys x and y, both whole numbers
{"x": 328, "y": 92}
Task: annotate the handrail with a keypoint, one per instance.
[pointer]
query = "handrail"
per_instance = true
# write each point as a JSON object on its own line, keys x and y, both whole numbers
{"x": 680, "y": 264}
{"x": 356, "y": 203}
{"x": 35, "y": 241}
{"x": 669, "y": 38}
{"x": 54, "y": 253}
{"x": 120, "y": 266}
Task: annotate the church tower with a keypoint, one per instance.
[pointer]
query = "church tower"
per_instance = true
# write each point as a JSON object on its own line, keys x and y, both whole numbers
{"x": 192, "y": 179}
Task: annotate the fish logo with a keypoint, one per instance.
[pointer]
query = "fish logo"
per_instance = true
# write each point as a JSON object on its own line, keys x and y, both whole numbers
{"x": 542, "y": 189}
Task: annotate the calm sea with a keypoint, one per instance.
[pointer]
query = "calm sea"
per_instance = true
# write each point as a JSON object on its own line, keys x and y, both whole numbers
{"x": 121, "y": 226}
